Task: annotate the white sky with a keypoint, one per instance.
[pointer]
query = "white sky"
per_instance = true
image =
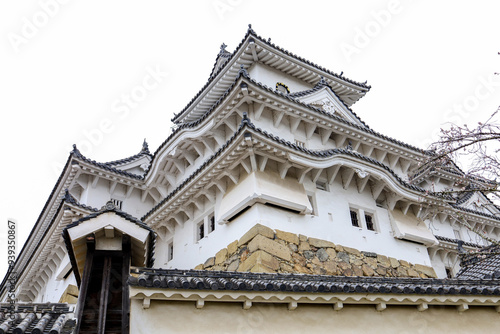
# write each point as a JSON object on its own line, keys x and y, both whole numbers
{"x": 428, "y": 62}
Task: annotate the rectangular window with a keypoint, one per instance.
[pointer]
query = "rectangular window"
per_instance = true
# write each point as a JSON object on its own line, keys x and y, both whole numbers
{"x": 354, "y": 218}
{"x": 457, "y": 234}
{"x": 200, "y": 230}
{"x": 321, "y": 185}
{"x": 170, "y": 251}
{"x": 300, "y": 143}
{"x": 370, "y": 224}
{"x": 211, "y": 223}
{"x": 449, "y": 272}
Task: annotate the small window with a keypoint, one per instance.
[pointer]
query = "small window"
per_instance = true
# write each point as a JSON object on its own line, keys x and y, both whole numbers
{"x": 170, "y": 251}
{"x": 370, "y": 224}
{"x": 117, "y": 203}
{"x": 449, "y": 272}
{"x": 321, "y": 185}
{"x": 354, "y": 218}
{"x": 200, "y": 230}
{"x": 211, "y": 223}
{"x": 457, "y": 234}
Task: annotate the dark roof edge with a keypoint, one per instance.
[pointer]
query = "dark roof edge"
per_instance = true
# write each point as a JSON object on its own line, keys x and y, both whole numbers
{"x": 249, "y": 32}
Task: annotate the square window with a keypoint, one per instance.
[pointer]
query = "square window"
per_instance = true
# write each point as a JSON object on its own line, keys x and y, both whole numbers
{"x": 354, "y": 218}
{"x": 118, "y": 203}
{"x": 370, "y": 224}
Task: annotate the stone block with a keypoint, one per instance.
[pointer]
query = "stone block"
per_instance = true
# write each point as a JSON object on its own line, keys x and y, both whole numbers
{"x": 232, "y": 247}
{"x": 331, "y": 253}
{"x": 401, "y": 272}
{"x": 318, "y": 243}
{"x": 339, "y": 248}
{"x": 394, "y": 262}
{"x": 260, "y": 258}
{"x": 352, "y": 251}
{"x": 286, "y": 268}
{"x": 297, "y": 258}
{"x": 304, "y": 245}
{"x": 270, "y": 246}
{"x": 209, "y": 262}
{"x": 302, "y": 238}
{"x": 343, "y": 256}
{"x": 300, "y": 269}
{"x": 287, "y": 236}
{"x": 404, "y": 263}
{"x": 293, "y": 248}
{"x": 308, "y": 254}
{"x": 72, "y": 290}
{"x": 381, "y": 271}
{"x": 330, "y": 267}
{"x": 412, "y": 273}
{"x": 233, "y": 266}
{"x": 322, "y": 255}
{"x": 67, "y": 298}
{"x": 259, "y": 268}
{"x": 221, "y": 256}
{"x": 428, "y": 271}
{"x": 357, "y": 271}
{"x": 199, "y": 267}
{"x": 367, "y": 270}
{"x": 384, "y": 261}
{"x": 258, "y": 229}
{"x": 371, "y": 261}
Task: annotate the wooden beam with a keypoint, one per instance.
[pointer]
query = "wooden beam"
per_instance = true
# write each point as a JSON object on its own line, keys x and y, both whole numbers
{"x": 377, "y": 189}
{"x": 325, "y": 135}
{"x": 301, "y": 174}
{"x": 126, "y": 246}
{"x": 331, "y": 173}
{"x": 85, "y": 280}
{"x": 362, "y": 183}
{"x": 262, "y": 163}
{"x": 283, "y": 169}
{"x": 294, "y": 123}
{"x": 347, "y": 177}
{"x": 259, "y": 111}
{"x": 310, "y": 127}
{"x": 277, "y": 119}
{"x": 246, "y": 166}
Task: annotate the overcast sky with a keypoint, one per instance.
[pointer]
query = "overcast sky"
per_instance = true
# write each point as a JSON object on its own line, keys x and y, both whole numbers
{"x": 68, "y": 66}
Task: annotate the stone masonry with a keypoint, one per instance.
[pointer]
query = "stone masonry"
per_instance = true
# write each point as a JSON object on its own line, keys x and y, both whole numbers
{"x": 263, "y": 250}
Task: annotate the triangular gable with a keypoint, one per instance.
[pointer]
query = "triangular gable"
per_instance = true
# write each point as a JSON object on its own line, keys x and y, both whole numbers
{"x": 327, "y": 100}
{"x": 477, "y": 201}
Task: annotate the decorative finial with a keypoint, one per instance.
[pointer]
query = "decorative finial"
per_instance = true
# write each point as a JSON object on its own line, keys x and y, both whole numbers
{"x": 145, "y": 147}
{"x": 243, "y": 71}
{"x": 109, "y": 206}
{"x": 322, "y": 81}
{"x": 223, "y": 48}
{"x": 75, "y": 150}
{"x": 349, "y": 146}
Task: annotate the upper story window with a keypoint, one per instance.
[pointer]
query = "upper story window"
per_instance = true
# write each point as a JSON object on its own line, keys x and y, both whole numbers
{"x": 363, "y": 219}
{"x": 354, "y": 218}
{"x": 205, "y": 226}
{"x": 211, "y": 223}
{"x": 170, "y": 250}
{"x": 370, "y": 224}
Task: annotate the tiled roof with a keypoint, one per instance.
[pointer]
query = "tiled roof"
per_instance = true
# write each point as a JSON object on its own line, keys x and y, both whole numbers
{"x": 105, "y": 166}
{"x": 39, "y": 318}
{"x": 110, "y": 207}
{"x": 322, "y": 154}
{"x": 68, "y": 198}
{"x": 143, "y": 153}
{"x": 249, "y": 32}
{"x": 484, "y": 264}
{"x": 456, "y": 241}
{"x": 223, "y": 280}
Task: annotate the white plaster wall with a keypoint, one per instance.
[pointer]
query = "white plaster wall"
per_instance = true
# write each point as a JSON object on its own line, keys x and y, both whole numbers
{"x": 332, "y": 223}
{"x": 270, "y": 76}
{"x": 230, "y": 317}
{"x": 55, "y": 288}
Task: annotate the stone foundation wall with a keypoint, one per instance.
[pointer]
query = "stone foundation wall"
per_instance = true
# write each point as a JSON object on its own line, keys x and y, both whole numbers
{"x": 263, "y": 250}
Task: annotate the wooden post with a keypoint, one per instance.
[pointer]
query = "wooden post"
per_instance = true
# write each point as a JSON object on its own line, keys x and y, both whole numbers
{"x": 85, "y": 281}
{"x": 103, "y": 300}
{"x": 125, "y": 293}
